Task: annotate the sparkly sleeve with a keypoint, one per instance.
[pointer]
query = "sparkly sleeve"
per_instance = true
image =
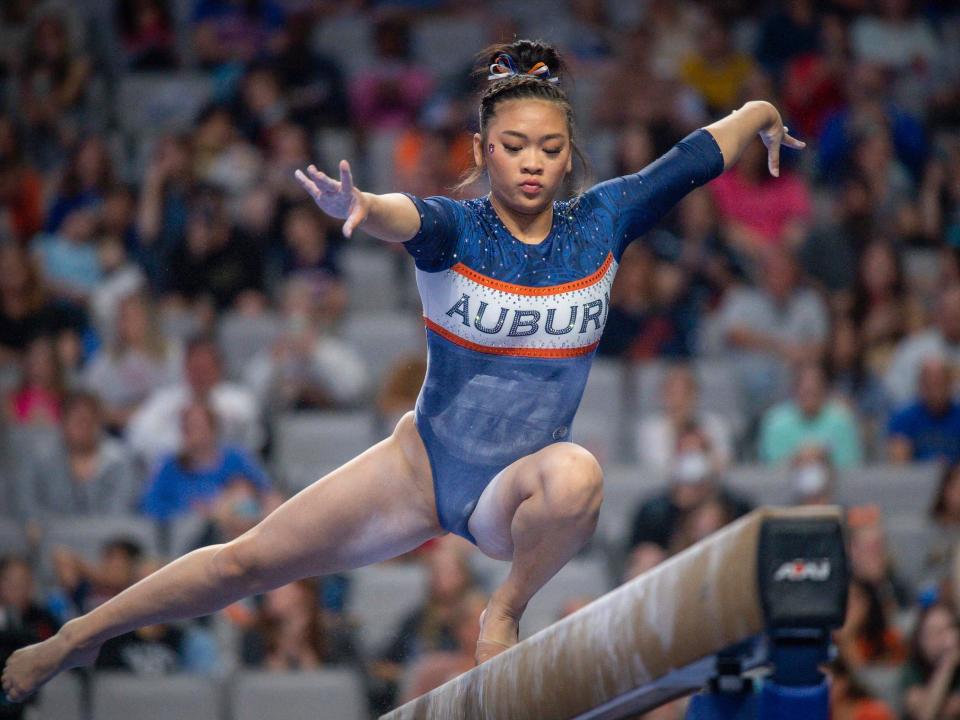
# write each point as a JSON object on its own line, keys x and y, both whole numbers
{"x": 634, "y": 203}
{"x": 435, "y": 245}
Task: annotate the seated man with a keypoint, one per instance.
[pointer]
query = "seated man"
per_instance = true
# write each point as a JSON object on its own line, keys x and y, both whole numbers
{"x": 929, "y": 428}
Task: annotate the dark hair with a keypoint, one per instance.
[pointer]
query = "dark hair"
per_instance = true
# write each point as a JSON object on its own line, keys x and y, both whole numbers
{"x": 82, "y": 398}
{"x": 129, "y": 547}
{"x": 873, "y": 633}
{"x": 524, "y": 54}
{"x": 917, "y": 658}
{"x": 939, "y": 506}
{"x": 317, "y": 633}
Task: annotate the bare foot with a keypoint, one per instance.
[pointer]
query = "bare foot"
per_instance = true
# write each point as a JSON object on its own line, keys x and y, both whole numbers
{"x": 30, "y": 667}
{"x": 501, "y": 633}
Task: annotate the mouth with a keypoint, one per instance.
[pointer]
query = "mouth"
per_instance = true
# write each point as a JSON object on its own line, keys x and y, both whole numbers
{"x": 531, "y": 187}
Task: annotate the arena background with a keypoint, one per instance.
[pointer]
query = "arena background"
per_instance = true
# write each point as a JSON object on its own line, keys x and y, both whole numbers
{"x": 783, "y": 341}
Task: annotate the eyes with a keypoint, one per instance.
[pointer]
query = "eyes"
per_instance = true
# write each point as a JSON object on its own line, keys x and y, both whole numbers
{"x": 517, "y": 148}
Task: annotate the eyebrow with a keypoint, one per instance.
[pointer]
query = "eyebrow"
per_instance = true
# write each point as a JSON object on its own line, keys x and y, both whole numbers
{"x": 552, "y": 136}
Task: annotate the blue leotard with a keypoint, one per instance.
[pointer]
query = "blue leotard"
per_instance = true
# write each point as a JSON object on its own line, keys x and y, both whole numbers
{"x": 512, "y": 327}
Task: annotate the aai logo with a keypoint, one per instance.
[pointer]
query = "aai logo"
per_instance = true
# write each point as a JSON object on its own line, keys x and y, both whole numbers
{"x": 800, "y": 570}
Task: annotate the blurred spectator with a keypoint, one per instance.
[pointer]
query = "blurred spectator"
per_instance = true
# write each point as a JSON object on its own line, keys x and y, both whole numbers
{"x": 22, "y": 620}
{"x": 850, "y": 380}
{"x": 890, "y": 184}
{"x": 53, "y": 85}
{"x": 869, "y": 635}
{"x": 154, "y": 429}
{"x": 810, "y": 418}
{"x": 674, "y": 29}
{"x": 813, "y": 81}
{"x": 945, "y": 510}
{"x": 701, "y": 522}
{"x": 434, "y": 668}
{"x": 25, "y": 310}
{"x": 222, "y": 157}
{"x": 117, "y": 248}
{"x": 813, "y": 479}
{"x": 939, "y": 197}
{"x": 430, "y": 627}
{"x": 651, "y": 314}
{"x": 391, "y": 93}
{"x": 306, "y": 367}
{"x": 80, "y": 585}
{"x": 716, "y": 69}
{"x": 769, "y": 327}
{"x": 871, "y": 564}
{"x": 69, "y": 257}
{"x": 868, "y": 107}
{"x": 931, "y": 683}
{"x": 430, "y": 161}
{"x": 236, "y": 508}
{"x": 400, "y": 389}
{"x": 310, "y": 258}
{"x": 21, "y": 186}
{"x": 87, "y": 177}
{"x": 849, "y": 699}
{"x": 136, "y": 359}
{"x": 316, "y": 91}
{"x": 792, "y": 30}
{"x": 163, "y": 206}
{"x": 236, "y": 31}
{"x": 193, "y": 478}
{"x": 81, "y": 472}
{"x": 694, "y": 480}
{"x": 290, "y": 632}
{"x": 38, "y": 398}
{"x": 262, "y": 105}
{"x": 942, "y": 340}
{"x": 757, "y": 210}
{"x": 883, "y": 309}
{"x": 929, "y": 428}
{"x": 642, "y": 558}
{"x": 147, "y": 33}
{"x": 659, "y": 432}
{"x": 216, "y": 264}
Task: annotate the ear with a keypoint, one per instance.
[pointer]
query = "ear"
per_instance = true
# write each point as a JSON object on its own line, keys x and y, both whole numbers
{"x": 478, "y": 149}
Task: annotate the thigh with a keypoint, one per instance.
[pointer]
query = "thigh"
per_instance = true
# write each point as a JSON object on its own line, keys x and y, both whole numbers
{"x": 377, "y": 506}
{"x": 491, "y": 519}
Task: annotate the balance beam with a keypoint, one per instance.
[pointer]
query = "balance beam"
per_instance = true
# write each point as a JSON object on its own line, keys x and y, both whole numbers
{"x": 647, "y": 642}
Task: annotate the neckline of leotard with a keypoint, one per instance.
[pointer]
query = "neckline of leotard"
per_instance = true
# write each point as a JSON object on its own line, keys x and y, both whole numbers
{"x": 503, "y": 225}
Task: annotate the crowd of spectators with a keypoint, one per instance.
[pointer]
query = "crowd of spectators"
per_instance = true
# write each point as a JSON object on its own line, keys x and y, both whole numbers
{"x": 148, "y": 208}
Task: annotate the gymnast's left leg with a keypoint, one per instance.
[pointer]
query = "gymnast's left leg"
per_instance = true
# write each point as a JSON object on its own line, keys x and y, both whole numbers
{"x": 538, "y": 512}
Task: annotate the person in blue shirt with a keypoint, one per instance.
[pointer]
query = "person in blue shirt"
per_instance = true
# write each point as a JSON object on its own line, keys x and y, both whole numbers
{"x": 203, "y": 468}
{"x": 515, "y": 288}
{"x": 929, "y": 428}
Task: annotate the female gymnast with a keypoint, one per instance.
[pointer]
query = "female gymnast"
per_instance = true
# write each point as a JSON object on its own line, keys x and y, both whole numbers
{"x": 515, "y": 289}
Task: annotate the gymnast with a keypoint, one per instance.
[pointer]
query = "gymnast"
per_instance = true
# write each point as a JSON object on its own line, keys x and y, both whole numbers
{"x": 515, "y": 289}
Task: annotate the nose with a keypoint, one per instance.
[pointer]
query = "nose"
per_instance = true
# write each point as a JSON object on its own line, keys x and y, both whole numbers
{"x": 531, "y": 163}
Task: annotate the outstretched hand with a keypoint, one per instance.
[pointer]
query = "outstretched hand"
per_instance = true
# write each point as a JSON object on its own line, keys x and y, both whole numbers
{"x": 337, "y": 199}
{"x": 775, "y": 136}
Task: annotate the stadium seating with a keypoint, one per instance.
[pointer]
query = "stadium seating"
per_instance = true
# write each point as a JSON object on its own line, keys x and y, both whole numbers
{"x": 61, "y": 699}
{"x": 381, "y": 597}
{"x": 123, "y": 696}
{"x": 320, "y": 695}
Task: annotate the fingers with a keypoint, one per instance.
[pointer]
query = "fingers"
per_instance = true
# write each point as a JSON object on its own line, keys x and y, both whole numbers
{"x": 323, "y": 181}
{"x": 792, "y": 142}
{"x": 358, "y": 215}
{"x": 346, "y": 177}
{"x": 773, "y": 159}
{"x": 307, "y": 184}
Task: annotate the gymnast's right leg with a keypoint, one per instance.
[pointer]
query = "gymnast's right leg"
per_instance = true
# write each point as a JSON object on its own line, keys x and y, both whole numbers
{"x": 377, "y": 506}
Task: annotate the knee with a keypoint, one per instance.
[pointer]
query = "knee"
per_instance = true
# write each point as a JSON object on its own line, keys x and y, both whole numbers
{"x": 237, "y": 564}
{"x": 572, "y": 481}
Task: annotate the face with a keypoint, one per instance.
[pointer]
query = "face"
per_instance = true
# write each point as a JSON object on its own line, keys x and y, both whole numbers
{"x": 81, "y": 426}
{"x": 680, "y": 392}
{"x": 132, "y": 321}
{"x": 868, "y": 553}
{"x": 935, "y": 384}
{"x": 951, "y": 493}
{"x": 447, "y": 575}
{"x": 879, "y": 268}
{"x": 40, "y": 366}
{"x": 203, "y": 369}
{"x": 949, "y": 319}
{"x": 199, "y": 432}
{"x": 811, "y": 391}
{"x": 527, "y": 154}
{"x": 938, "y": 635}
{"x": 16, "y": 585}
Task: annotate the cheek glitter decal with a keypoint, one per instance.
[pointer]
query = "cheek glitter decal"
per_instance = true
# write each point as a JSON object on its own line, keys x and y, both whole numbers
{"x": 490, "y": 148}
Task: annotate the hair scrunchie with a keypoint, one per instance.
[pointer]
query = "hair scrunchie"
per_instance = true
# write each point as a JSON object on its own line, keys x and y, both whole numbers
{"x": 504, "y": 67}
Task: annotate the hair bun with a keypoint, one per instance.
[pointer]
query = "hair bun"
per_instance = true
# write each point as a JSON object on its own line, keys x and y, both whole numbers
{"x": 533, "y": 58}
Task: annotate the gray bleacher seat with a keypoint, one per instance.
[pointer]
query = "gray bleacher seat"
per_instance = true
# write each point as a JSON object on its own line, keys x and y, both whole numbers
{"x": 720, "y": 393}
{"x": 624, "y": 488}
{"x": 370, "y": 279}
{"x": 123, "y": 696}
{"x": 895, "y": 488}
{"x": 320, "y": 695}
{"x": 381, "y": 597}
{"x": 311, "y": 444}
{"x": 648, "y": 382}
{"x": 13, "y": 538}
{"x": 910, "y": 539}
{"x": 378, "y": 172}
{"x": 761, "y": 484}
{"x": 148, "y": 103}
{"x": 87, "y": 535}
{"x": 240, "y": 337}
{"x": 884, "y": 683}
{"x": 60, "y": 699}
{"x": 578, "y": 578}
{"x": 182, "y": 532}
{"x": 347, "y": 38}
{"x": 446, "y": 44}
{"x": 605, "y": 386}
{"x": 383, "y": 338}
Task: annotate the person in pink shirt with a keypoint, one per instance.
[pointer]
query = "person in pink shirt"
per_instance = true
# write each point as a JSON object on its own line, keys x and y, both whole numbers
{"x": 37, "y": 401}
{"x": 757, "y": 210}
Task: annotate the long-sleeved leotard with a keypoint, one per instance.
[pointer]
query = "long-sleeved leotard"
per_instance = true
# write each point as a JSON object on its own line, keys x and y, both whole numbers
{"x": 512, "y": 327}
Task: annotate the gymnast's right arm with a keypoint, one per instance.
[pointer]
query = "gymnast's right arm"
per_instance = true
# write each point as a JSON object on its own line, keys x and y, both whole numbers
{"x": 392, "y": 217}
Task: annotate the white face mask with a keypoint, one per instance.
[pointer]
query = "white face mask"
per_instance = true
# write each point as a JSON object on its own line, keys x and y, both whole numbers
{"x": 808, "y": 480}
{"x": 690, "y": 467}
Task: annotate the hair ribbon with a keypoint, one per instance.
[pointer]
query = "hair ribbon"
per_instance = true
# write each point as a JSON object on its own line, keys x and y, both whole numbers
{"x": 504, "y": 67}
